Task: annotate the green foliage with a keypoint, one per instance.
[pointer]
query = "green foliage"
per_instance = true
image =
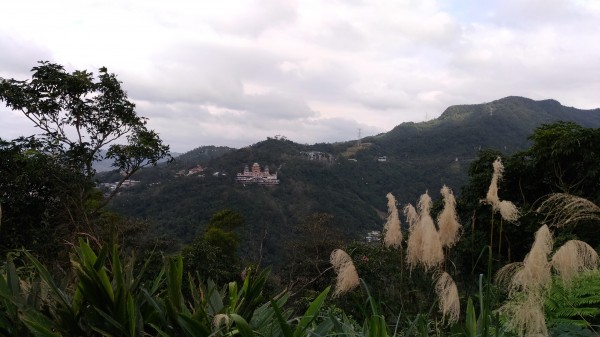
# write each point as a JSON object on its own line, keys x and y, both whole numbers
{"x": 78, "y": 115}
{"x": 47, "y": 180}
{"x": 578, "y": 304}
{"x": 39, "y": 198}
{"x": 214, "y": 253}
{"x": 107, "y": 299}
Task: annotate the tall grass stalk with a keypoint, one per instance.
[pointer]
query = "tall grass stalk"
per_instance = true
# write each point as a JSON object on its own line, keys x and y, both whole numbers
{"x": 347, "y": 277}
{"x": 392, "y": 230}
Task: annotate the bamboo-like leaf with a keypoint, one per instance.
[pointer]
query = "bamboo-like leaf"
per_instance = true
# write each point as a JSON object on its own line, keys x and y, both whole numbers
{"x": 109, "y": 319}
{"x": 470, "y": 319}
{"x": 242, "y": 326}
{"x": 192, "y": 327}
{"x": 285, "y": 326}
{"x": 46, "y": 277}
{"x": 311, "y": 313}
{"x": 233, "y": 295}
{"x": 174, "y": 279}
{"x": 132, "y": 314}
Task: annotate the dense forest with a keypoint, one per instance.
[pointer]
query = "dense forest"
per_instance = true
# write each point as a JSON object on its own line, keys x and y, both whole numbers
{"x": 497, "y": 241}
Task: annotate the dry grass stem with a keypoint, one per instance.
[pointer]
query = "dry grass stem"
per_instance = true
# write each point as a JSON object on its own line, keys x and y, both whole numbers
{"x": 347, "y": 277}
{"x": 448, "y": 220}
{"x": 447, "y": 292}
{"x": 392, "y": 231}
{"x": 562, "y": 209}
{"x": 573, "y": 257}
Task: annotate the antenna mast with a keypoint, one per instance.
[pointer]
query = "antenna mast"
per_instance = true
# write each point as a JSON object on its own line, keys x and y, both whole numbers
{"x": 359, "y": 143}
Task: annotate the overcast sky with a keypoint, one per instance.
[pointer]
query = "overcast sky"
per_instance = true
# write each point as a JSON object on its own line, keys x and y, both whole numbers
{"x": 232, "y": 73}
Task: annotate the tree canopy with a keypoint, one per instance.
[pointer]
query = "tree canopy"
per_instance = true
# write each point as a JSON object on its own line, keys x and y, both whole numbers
{"x": 47, "y": 179}
{"x": 80, "y": 115}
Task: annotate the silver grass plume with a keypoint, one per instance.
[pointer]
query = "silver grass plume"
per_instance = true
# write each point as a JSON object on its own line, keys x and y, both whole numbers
{"x": 525, "y": 316}
{"x": 562, "y": 209}
{"x": 392, "y": 231}
{"x": 527, "y": 283}
{"x": 492, "y": 195}
{"x": 449, "y": 302}
{"x": 535, "y": 274}
{"x": 220, "y": 319}
{"x": 347, "y": 277}
{"x": 572, "y": 257}
{"x": 449, "y": 227}
{"x": 508, "y": 211}
{"x": 415, "y": 237}
{"x": 424, "y": 244}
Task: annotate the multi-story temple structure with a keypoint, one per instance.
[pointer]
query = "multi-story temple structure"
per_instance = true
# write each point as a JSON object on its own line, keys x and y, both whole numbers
{"x": 256, "y": 176}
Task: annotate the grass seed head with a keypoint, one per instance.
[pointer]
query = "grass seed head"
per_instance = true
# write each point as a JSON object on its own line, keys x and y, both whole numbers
{"x": 562, "y": 209}
{"x": 508, "y": 211}
{"x": 449, "y": 227}
{"x": 392, "y": 231}
{"x": 449, "y": 302}
{"x": 347, "y": 277}
{"x": 573, "y": 257}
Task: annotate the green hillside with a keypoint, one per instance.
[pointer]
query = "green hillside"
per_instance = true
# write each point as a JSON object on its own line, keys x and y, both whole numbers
{"x": 350, "y": 183}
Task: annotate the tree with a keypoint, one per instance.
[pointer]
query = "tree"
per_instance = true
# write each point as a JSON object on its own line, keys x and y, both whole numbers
{"x": 34, "y": 192}
{"x": 214, "y": 253}
{"x": 80, "y": 115}
{"x": 46, "y": 181}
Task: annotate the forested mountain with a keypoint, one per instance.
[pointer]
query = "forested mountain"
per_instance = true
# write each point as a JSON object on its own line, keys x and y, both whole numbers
{"x": 347, "y": 180}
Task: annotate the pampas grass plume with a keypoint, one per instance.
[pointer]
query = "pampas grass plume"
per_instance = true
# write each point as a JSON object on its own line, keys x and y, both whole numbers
{"x": 415, "y": 237}
{"x": 347, "y": 277}
{"x": 529, "y": 281}
{"x": 220, "y": 319}
{"x": 508, "y": 211}
{"x": 392, "y": 232}
{"x": 535, "y": 275}
{"x": 563, "y": 209}
{"x": 573, "y": 257}
{"x": 447, "y": 292}
{"x": 492, "y": 194}
{"x": 424, "y": 244}
{"x": 448, "y": 220}
{"x": 526, "y": 316}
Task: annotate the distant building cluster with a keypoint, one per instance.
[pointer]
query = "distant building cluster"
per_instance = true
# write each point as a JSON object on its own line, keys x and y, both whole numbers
{"x": 108, "y": 188}
{"x": 113, "y": 186}
{"x": 197, "y": 170}
{"x": 256, "y": 176}
{"x": 373, "y": 236}
{"x": 317, "y": 155}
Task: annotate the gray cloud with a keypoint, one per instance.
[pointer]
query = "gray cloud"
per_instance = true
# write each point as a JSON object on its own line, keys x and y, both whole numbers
{"x": 233, "y": 73}
{"x": 18, "y": 57}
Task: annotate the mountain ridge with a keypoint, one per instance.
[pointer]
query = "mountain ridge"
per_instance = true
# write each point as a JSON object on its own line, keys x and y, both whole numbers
{"x": 352, "y": 186}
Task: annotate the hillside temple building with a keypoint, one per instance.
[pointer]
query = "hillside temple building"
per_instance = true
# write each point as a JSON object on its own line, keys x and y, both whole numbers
{"x": 256, "y": 176}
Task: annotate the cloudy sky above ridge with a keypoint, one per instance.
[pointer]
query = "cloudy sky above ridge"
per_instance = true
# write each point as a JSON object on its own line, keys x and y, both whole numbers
{"x": 233, "y": 72}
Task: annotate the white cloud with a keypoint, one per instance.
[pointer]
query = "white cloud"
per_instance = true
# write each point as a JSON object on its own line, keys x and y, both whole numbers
{"x": 234, "y": 72}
